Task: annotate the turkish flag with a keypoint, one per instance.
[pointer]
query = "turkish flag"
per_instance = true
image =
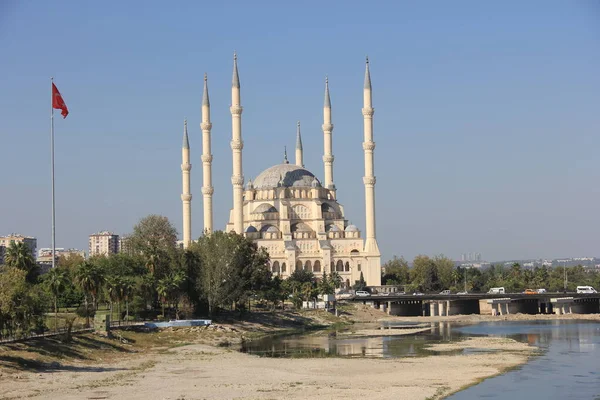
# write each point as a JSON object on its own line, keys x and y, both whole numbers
{"x": 58, "y": 102}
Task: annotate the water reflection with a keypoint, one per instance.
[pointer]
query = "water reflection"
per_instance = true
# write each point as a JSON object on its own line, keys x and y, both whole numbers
{"x": 341, "y": 345}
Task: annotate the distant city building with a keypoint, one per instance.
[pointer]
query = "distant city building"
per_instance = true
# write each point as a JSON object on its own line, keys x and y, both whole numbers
{"x": 124, "y": 244}
{"x": 5, "y": 241}
{"x": 45, "y": 254}
{"x": 103, "y": 243}
{"x": 470, "y": 257}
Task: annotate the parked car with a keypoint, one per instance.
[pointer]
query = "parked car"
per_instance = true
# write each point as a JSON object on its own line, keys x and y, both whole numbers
{"x": 362, "y": 293}
{"x": 541, "y": 290}
{"x": 445, "y": 291}
{"x": 530, "y": 291}
{"x": 462, "y": 293}
{"x": 586, "y": 289}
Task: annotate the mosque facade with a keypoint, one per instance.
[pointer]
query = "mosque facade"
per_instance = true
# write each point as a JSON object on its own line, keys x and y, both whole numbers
{"x": 286, "y": 209}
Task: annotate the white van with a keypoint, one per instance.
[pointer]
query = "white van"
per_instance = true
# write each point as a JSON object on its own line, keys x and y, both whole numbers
{"x": 586, "y": 289}
{"x": 496, "y": 290}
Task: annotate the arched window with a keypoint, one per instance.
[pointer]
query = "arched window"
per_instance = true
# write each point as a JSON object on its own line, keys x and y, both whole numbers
{"x": 332, "y": 267}
{"x": 275, "y": 268}
{"x": 347, "y": 283}
{"x": 298, "y": 265}
{"x": 317, "y": 266}
{"x": 307, "y": 266}
{"x": 339, "y": 266}
{"x": 347, "y": 266}
{"x": 283, "y": 268}
{"x": 354, "y": 253}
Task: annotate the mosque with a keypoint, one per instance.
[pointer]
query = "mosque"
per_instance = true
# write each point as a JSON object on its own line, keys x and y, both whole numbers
{"x": 287, "y": 209}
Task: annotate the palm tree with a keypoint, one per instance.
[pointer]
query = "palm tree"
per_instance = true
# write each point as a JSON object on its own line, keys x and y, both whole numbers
{"x": 56, "y": 281}
{"x": 89, "y": 278}
{"x": 127, "y": 289}
{"x": 162, "y": 288}
{"x": 18, "y": 255}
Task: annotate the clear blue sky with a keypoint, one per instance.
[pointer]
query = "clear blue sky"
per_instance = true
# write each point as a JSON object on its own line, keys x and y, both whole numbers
{"x": 487, "y": 114}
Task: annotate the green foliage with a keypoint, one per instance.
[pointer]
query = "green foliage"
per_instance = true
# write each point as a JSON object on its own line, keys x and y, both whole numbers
{"x": 18, "y": 255}
{"x": 154, "y": 238}
{"x": 360, "y": 284}
{"x": 230, "y": 269}
{"x": 396, "y": 272}
{"x": 21, "y": 304}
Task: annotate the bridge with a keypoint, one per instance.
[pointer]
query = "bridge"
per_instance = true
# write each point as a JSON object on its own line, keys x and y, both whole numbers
{"x": 482, "y": 303}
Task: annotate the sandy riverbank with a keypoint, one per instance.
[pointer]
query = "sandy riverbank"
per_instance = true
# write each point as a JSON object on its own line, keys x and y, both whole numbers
{"x": 205, "y": 372}
{"x": 171, "y": 368}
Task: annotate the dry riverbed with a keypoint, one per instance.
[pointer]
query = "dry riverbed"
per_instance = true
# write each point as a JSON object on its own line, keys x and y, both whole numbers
{"x": 192, "y": 363}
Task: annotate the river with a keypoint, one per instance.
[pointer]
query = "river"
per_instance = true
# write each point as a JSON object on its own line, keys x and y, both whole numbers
{"x": 568, "y": 367}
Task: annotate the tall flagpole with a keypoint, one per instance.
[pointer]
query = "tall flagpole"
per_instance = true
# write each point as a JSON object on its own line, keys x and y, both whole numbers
{"x": 52, "y": 158}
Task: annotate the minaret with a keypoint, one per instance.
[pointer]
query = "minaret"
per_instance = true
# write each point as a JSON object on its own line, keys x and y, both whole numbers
{"x": 299, "y": 158}
{"x": 369, "y": 178}
{"x": 207, "y": 188}
{"x": 237, "y": 178}
{"x": 327, "y": 132}
{"x": 186, "y": 196}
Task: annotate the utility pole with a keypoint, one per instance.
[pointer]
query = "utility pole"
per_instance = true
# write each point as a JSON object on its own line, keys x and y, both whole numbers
{"x": 465, "y": 279}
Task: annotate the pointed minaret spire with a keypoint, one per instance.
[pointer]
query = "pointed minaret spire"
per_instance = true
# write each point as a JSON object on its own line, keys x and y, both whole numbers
{"x": 207, "y": 187}
{"x": 186, "y": 196}
{"x": 327, "y": 141}
{"x": 327, "y": 103}
{"x": 237, "y": 144}
{"x": 285, "y": 159}
{"x": 299, "y": 155}
{"x": 235, "y": 82}
{"x": 205, "y": 99}
{"x": 186, "y": 142}
{"x": 367, "y": 76}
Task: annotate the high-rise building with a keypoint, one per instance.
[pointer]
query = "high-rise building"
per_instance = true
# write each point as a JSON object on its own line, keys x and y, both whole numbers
{"x": 5, "y": 241}
{"x": 103, "y": 243}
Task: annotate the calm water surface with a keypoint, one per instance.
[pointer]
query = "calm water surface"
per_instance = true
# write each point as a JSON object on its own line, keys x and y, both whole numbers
{"x": 569, "y": 367}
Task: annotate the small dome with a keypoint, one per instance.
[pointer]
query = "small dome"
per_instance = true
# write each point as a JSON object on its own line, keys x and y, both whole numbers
{"x": 334, "y": 228}
{"x": 315, "y": 183}
{"x": 251, "y": 229}
{"x": 264, "y": 208}
{"x": 272, "y": 229}
{"x": 300, "y": 227}
{"x": 351, "y": 228}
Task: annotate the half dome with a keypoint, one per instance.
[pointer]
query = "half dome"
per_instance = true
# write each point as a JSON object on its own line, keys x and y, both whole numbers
{"x": 286, "y": 175}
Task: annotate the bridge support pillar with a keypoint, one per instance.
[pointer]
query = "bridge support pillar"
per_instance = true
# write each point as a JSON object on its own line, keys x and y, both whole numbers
{"x": 441, "y": 309}
{"x": 432, "y": 309}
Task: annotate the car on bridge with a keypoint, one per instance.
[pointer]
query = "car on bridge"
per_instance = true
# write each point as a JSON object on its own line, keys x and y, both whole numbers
{"x": 445, "y": 291}
{"x": 362, "y": 293}
{"x": 461, "y": 293}
{"x": 530, "y": 291}
{"x": 541, "y": 290}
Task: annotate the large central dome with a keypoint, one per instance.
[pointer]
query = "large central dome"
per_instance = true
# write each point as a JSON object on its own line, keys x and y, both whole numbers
{"x": 286, "y": 175}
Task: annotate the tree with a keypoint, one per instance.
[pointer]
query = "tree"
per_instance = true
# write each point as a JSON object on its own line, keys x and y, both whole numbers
{"x": 424, "y": 275}
{"x": 21, "y": 304}
{"x": 444, "y": 267}
{"x": 56, "y": 280}
{"x": 360, "y": 284}
{"x": 154, "y": 237}
{"x": 18, "y": 255}
{"x": 396, "y": 272}
{"x": 230, "y": 268}
{"x": 325, "y": 285}
{"x": 89, "y": 277}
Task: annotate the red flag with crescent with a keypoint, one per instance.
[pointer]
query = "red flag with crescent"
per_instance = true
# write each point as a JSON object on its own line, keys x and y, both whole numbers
{"x": 58, "y": 102}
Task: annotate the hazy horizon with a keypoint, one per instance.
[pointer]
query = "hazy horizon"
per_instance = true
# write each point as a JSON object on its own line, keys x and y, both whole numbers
{"x": 486, "y": 116}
